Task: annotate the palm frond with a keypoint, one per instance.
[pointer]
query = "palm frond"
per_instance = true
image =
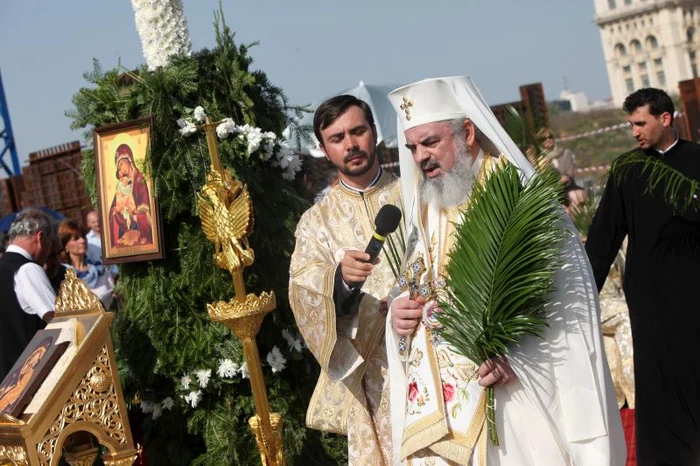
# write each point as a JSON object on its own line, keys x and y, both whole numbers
{"x": 680, "y": 191}
{"x": 582, "y": 214}
{"x": 501, "y": 267}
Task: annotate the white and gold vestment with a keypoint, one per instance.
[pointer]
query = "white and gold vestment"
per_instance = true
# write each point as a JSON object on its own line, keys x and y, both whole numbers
{"x": 351, "y": 396}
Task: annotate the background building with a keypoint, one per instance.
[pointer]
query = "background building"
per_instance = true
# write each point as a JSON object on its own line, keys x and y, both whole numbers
{"x": 648, "y": 43}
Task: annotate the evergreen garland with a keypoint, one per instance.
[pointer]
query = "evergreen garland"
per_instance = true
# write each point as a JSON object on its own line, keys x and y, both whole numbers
{"x": 163, "y": 331}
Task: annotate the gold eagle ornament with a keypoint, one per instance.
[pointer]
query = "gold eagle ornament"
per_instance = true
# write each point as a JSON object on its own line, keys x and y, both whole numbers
{"x": 227, "y": 220}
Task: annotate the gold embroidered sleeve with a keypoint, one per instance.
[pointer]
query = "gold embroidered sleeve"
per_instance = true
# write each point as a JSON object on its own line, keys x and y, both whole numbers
{"x": 312, "y": 274}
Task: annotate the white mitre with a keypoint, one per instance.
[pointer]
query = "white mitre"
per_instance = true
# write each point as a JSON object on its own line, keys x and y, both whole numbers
{"x": 441, "y": 99}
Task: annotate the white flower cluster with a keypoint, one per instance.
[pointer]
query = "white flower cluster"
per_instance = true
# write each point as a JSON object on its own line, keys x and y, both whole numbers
{"x": 156, "y": 409}
{"x": 276, "y": 360}
{"x": 162, "y": 26}
{"x": 256, "y": 140}
{"x": 227, "y": 370}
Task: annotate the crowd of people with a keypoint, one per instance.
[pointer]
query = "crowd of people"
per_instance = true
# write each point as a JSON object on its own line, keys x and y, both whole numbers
{"x": 32, "y": 268}
{"x": 388, "y": 381}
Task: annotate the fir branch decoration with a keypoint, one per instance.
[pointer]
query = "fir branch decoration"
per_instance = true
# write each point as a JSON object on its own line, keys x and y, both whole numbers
{"x": 681, "y": 192}
{"x": 501, "y": 267}
{"x": 162, "y": 331}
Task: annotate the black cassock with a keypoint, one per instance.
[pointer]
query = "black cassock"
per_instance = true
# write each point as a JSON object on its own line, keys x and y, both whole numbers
{"x": 662, "y": 288}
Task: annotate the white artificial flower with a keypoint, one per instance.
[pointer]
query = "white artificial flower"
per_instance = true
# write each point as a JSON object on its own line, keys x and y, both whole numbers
{"x": 203, "y": 376}
{"x": 146, "y": 407}
{"x": 244, "y": 370}
{"x": 162, "y": 27}
{"x": 293, "y": 342}
{"x": 167, "y": 403}
{"x": 194, "y": 398}
{"x": 226, "y": 127}
{"x": 185, "y": 382}
{"x": 199, "y": 114}
{"x": 267, "y": 150}
{"x": 254, "y": 136}
{"x": 157, "y": 411}
{"x": 227, "y": 368}
{"x": 188, "y": 129}
{"x": 276, "y": 360}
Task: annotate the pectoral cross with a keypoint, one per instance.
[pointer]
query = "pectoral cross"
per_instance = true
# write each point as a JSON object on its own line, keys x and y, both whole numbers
{"x": 411, "y": 281}
{"x": 406, "y": 107}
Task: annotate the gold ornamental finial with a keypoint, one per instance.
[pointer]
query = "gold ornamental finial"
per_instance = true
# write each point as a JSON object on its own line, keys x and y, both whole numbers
{"x": 75, "y": 295}
{"x": 226, "y": 211}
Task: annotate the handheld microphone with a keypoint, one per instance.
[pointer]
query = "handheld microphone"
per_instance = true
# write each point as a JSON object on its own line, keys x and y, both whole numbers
{"x": 386, "y": 222}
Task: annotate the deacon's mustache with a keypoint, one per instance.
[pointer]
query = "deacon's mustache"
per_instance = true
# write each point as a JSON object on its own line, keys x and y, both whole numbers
{"x": 355, "y": 153}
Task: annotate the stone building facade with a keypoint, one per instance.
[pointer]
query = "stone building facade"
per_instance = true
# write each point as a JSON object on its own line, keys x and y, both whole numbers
{"x": 649, "y": 43}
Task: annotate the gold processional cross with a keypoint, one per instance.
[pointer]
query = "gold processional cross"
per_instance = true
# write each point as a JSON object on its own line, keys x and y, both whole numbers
{"x": 226, "y": 212}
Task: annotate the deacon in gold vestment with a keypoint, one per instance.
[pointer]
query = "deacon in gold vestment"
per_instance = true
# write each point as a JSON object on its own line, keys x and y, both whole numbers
{"x": 344, "y": 327}
{"x": 555, "y": 403}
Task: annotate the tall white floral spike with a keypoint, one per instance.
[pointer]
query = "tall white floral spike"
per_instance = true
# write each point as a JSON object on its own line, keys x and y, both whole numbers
{"x": 162, "y": 26}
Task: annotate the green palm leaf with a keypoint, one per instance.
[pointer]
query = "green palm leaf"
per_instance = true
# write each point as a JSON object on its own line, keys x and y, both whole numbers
{"x": 501, "y": 266}
{"x": 679, "y": 191}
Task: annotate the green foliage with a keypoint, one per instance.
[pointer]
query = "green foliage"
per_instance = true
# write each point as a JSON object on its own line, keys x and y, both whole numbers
{"x": 679, "y": 191}
{"x": 501, "y": 266}
{"x": 163, "y": 331}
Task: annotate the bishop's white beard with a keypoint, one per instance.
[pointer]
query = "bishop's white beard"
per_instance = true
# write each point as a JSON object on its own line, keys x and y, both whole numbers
{"x": 454, "y": 186}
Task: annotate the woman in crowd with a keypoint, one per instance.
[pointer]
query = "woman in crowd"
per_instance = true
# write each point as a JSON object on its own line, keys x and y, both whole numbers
{"x": 74, "y": 256}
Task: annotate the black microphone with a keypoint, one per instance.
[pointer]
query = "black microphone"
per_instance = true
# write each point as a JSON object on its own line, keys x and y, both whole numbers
{"x": 386, "y": 222}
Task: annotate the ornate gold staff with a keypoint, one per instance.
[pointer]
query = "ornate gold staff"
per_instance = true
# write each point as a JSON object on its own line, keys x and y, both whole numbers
{"x": 227, "y": 220}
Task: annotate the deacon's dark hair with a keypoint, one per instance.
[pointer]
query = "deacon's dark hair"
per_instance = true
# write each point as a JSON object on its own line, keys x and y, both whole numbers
{"x": 331, "y": 109}
{"x": 659, "y": 102}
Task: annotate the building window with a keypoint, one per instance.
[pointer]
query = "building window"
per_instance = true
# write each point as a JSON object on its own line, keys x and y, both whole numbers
{"x": 630, "y": 84}
{"x": 690, "y": 34}
{"x": 658, "y": 62}
{"x": 652, "y": 43}
{"x": 620, "y": 50}
{"x": 645, "y": 80}
{"x": 627, "y": 69}
{"x": 611, "y": 4}
{"x": 661, "y": 78}
{"x": 628, "y": 2}
{"x": 636, "y": 46}
{"x": 642, "y": 66}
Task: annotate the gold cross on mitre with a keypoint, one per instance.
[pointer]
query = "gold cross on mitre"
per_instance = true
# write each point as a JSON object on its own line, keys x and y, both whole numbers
{"x": 406, "y": 107}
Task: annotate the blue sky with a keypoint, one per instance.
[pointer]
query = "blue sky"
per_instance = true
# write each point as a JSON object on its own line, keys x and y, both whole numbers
{"x": 310, "y": 48}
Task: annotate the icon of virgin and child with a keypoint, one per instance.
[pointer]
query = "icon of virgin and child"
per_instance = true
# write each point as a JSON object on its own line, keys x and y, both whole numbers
{"x": 130, "y": 218}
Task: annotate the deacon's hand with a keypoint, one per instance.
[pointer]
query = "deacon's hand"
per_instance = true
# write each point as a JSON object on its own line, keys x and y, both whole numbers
{"x": 406, "y": 315}
{"x": 354, "y": 267}
{"x": 496, "y": 372}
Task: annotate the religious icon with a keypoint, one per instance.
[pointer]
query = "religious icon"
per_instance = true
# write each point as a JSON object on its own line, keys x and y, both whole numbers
{"x": 30, "y": 370}
{"x": 130, "y": 217}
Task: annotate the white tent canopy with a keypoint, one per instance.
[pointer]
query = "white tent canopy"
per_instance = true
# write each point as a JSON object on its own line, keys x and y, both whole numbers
{"x": 384, "y": 117}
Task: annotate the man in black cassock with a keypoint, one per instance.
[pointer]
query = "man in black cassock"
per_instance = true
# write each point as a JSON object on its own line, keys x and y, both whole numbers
{"x": 656, "y": 206}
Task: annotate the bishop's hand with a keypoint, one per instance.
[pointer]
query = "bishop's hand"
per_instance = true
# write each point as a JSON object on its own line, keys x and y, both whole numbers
{"x": 406, "y": 314}
{"x": 497, "y": 372}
